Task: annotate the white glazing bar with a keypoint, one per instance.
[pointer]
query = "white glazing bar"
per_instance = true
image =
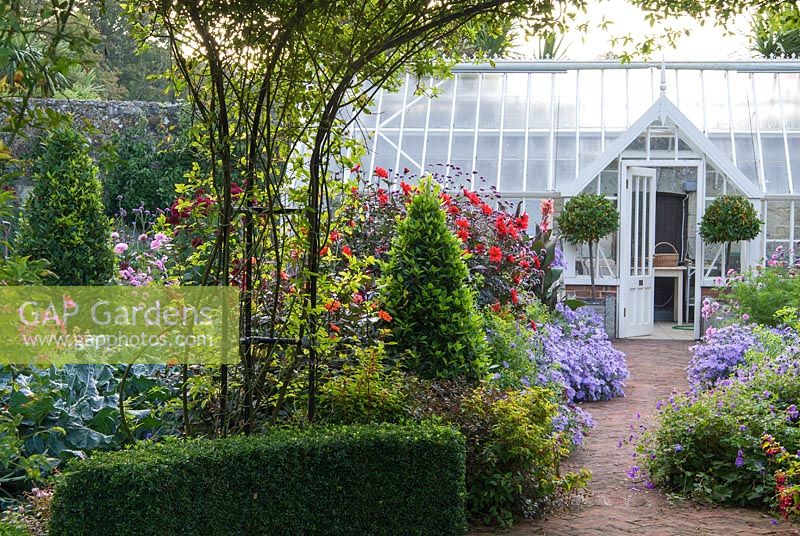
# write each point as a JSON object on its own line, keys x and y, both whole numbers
{"x": 730, "y": 117}
{"x": 602, "y": 111}
{"x": 786, "y": 155}
{"x": 792, "y": 242}
{"x": 577, "y": 123}
{"x": 703, "y": 101}
{"x": 375, "y": 134}
{"x": 402, "y": 125}
{"x": 527, "y": 132}
{"x": 551, "y": 164}
{"x": 425, "y": 133}
{"x": 759, "y": 148}
{"x": 627, "y": 99}
{"x": 452, "y": 122}
{"x": 636, "y": 201}
{"x": 502, "y": 124}
{"x": 475, "y": 135}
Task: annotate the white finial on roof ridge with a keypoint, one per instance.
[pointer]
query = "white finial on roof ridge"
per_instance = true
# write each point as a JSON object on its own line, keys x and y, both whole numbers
{"x": 663, "y": 86}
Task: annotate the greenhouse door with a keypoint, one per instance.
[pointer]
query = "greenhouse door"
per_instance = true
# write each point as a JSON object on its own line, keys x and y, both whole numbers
{"x": 637, "y": 238}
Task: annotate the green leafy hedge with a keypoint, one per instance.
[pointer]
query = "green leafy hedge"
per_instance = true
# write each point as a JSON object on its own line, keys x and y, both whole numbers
{"x": 379, "y": 479}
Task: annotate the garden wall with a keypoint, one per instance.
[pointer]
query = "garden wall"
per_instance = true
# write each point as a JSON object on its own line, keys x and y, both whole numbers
{"x": 100, "y": 119}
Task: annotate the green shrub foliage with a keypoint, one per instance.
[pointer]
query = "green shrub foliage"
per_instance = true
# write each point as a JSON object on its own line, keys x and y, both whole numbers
{"x": 435, "y": 328}
{"x": 63, "y": 220}
{"x": 729, "y": 218}
{"x": 138, "y": 171}
{"x": 327, "y": 480}
{"x": 586, "y": 219}
{"x": 513, "y": 454}
{"x": 365, "y": 392}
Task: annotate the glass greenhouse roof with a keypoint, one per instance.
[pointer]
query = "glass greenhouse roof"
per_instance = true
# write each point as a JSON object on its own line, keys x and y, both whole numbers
{"x": 531, "y": 127}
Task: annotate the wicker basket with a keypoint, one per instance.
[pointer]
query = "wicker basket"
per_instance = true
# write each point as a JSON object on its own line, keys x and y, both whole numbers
{"x": 665, "y": 260}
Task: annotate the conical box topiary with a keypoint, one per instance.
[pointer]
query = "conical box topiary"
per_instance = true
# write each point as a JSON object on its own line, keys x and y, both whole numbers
{"x": 436, "y": 330}
{"x": 63, "y": 220}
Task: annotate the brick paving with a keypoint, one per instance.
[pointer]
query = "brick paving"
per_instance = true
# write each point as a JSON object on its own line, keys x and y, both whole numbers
{"x": 613, "y": 504}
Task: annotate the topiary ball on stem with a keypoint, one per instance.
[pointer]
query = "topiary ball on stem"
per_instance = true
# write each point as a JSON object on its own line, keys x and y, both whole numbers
{"x": 436, "y": 330}
{"x": 585, "y": 219}
{"x": 728, "y": 219}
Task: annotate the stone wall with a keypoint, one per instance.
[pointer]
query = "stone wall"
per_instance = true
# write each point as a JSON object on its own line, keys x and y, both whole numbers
{"x": 100, "y": 119}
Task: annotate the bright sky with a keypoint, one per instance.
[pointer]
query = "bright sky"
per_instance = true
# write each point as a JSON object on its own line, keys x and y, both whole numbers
{"x": 704, "y": 43}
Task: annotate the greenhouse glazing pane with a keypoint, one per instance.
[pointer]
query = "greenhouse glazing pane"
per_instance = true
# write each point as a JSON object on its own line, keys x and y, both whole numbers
{"x": 589, "y": 99}
{"x": 466, "y": 100}
{"x": 513, "y": 162}
{"x": 768, "y": 102}
{"x": 790, "y": 98}
{"x": 742, "y": 103}
{"x": 565, "y": 98}
{"x": 442, "y": 105}
{"x": 690, "y": 96}
{"x": 716, "y": 102}
{"x": 436, "y": 148}
{"x": 515, "y": 101}
{"x": 614, "y": 90}
{"x": 491, "y": 101}
{"x": 773, "y": 152}
{"x": 640, "y": 93}
{"x": 793, "y": 139}
{"x": 541, "y": 105}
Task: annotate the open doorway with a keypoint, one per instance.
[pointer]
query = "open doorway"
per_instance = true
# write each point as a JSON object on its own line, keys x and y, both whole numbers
{"x": 657, "y": 283}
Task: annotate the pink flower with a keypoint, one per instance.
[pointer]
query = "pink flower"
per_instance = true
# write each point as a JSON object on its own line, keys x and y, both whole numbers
{"x": 114, "y": 235}
{"x": 120, "y": 248}
{"x": 745, "y": 317}
{"x": 155, "y": 244}
{"x": 142, "y": 237}
{"x": 546, "y": 206}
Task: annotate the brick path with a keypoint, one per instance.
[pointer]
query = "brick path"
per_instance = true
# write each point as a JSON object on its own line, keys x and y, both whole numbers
{"x": 613, "y": 504}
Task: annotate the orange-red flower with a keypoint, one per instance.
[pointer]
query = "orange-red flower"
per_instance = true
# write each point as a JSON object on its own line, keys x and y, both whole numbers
{"x": 487, "y": 210}
{"x": 383, "y": 315}
{"x": 514, "y": 296}
{"x": 347, "y": 251}
{"x": 381, "y": 172}
{"x": 383, "y": 197}
{"x": 495, "y": 255}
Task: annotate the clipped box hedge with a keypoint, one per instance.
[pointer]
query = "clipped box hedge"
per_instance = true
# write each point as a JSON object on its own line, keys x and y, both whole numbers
{"x": 379, "y": 479}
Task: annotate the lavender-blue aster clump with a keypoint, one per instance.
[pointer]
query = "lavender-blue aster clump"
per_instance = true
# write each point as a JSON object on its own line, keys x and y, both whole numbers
{"x": 580, "y": 356}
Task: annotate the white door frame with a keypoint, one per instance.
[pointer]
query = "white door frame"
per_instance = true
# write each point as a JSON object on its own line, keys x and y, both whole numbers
{"x": 700, "y": 164}
{"x": 643, "y": 238}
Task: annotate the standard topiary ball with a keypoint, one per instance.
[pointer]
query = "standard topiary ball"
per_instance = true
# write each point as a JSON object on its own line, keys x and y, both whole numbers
{"x": 436, "y": 330}
{"x": 63, "y": 220}
{"x": 729, "y": 218}
{"x": 587, "y": 218}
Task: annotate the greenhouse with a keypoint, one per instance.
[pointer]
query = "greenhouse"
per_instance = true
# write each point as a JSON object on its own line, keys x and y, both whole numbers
{"x": 661, "y": 140}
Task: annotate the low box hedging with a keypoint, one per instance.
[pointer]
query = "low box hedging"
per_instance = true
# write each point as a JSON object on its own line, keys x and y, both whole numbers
{"x": 378, "y": 479}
